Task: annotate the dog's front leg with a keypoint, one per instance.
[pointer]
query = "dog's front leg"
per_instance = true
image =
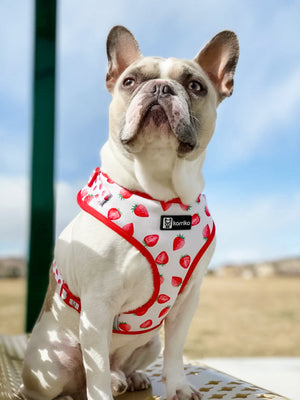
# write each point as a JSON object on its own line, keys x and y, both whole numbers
{"x": 96, "y": 321}
{"x": 177, "y": 325}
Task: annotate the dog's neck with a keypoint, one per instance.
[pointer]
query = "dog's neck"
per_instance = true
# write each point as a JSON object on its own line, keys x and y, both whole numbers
{"x": 160, "y": 174}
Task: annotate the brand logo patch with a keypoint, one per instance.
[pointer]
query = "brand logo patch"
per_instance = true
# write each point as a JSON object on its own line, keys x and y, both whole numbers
{"x": 175, "y": 222}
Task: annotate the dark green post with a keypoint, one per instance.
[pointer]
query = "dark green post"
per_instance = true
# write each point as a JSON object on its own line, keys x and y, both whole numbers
{"x": 42, "y": 192}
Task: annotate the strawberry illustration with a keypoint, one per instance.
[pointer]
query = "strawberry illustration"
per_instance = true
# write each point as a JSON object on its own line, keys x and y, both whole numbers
{"x": 178, "y": 242}
{"x": 146, "y": 324}
{"x": 164, "y": 311}
{"x": 162, "y": 258}
{"x": 206, "y": 232}
{"x": 129, "y": 228}
{"x": 163, "y": 298}
{"x": 124, "y": 326}
{"x": 150, "y": 240}
{"x": 93, "y": 177}
{"x": 113, "y": 213}
{"x": 176, "y": 281}
{"x": 142, "y": 312}
{"x": 207, "y": 211}
{"x": 198, "y": 199}
{"x": 140, "y": 210}
{"x": 124, "y": 194}
{"x": 110, "y": 181}
{"x": 185, "y": 207}
{"x": 165, "y": 205}
{"x": 195, "y": 219}
{"x": 161, "y": 279}
{"x": 185, "y": 261}
{"x": 89, "y": 197}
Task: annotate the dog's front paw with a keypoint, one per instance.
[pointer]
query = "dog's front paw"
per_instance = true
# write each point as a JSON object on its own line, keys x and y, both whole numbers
{"x": 138, "y": 381}
{"x": 186, "y": 392}
{"x": 118, "y": 383}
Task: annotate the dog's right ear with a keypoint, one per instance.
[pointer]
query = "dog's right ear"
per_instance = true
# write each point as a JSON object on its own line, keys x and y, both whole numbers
{"x": 122, "y": 50}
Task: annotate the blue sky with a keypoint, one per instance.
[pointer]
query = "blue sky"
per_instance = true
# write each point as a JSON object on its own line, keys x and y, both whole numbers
{"x": 252, "y": 168}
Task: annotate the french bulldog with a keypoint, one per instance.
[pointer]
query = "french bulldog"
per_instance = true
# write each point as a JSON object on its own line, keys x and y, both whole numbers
{"x": 134, "y": 258}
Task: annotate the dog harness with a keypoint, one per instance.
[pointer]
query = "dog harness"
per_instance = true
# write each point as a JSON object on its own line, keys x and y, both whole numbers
{"x": 170, "y": 235}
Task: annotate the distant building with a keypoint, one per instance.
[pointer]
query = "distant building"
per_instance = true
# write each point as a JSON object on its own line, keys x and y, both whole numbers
{"x": 12, "y": 268}
{"x": 284, "y": 267}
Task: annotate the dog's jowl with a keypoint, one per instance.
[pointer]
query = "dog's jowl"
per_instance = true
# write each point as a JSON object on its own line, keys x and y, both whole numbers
{"x": 133, "y": 260}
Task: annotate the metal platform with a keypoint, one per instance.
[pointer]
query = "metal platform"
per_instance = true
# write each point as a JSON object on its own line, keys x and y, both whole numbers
{"x": 211, "y": 383}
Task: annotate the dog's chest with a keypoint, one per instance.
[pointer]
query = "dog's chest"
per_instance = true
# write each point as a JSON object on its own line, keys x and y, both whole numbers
{"x": 171, "y": 236}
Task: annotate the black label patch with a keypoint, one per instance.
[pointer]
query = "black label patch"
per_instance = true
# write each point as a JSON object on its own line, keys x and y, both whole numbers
{"x": 175, "y": 222}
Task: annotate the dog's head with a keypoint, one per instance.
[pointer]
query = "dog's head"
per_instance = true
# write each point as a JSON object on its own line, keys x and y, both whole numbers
{"x": 164, "y": 110}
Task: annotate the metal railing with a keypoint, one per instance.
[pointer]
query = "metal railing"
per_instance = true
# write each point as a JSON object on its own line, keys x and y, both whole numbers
{"x": 42, "y": 167}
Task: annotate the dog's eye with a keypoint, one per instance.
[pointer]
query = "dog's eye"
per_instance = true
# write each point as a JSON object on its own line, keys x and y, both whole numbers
{"x": 128, "y": 82}
{"x": 196, "y": 86}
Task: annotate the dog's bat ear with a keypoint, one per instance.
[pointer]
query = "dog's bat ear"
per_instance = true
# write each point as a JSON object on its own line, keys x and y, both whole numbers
{"x": 219, "y": 58}
{"x": 122, "y": 50}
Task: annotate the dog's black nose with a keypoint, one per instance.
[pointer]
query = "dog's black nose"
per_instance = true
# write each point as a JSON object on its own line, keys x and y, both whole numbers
{"x": 162, "y": 90}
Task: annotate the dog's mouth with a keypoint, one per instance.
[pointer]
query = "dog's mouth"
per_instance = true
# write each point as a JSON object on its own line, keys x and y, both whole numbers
{"x": 154, "y": 114}
{"x": 153, "y": 117}
{"x": 159, "y": 121}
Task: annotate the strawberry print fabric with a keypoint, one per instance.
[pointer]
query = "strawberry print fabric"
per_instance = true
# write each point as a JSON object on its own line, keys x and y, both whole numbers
{"x": 172, "y": 254}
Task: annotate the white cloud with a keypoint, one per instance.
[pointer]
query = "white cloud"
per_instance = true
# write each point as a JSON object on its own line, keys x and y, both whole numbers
{"x": 254, "y": 229}
{"x": 15, "y": 209}
{"x": 66, "y": 204}
{"x": 14, "y": 153}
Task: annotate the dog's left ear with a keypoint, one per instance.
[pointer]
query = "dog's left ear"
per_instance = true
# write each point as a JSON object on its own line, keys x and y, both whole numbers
{"x": 219, "y": 58}
{"x": 122, "y": 50}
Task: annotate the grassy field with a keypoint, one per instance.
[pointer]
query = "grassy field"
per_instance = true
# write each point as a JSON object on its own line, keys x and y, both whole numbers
{"x": 235, "y": 317}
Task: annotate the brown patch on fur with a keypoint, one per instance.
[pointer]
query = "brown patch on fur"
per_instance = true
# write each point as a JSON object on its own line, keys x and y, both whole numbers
{"x": 76, "y": 387}
{"x": 49, "y": 295}
{"x": 184, "y": 71}
{"x": 148, "y": 71}
{"x": 142, "y": 72}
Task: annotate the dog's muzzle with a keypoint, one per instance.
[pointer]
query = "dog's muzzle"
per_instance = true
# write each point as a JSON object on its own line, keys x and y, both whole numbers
{"x": 160, "y": 104}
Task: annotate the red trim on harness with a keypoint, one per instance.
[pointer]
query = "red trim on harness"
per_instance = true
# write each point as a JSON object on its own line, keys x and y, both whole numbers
{"x": 69, "y": 298}
{"x": 176, "y": 200}
{"x": 136, "y": 244}
{"x": 65, "y": 293}
{"x": 197, "y": 258}
{"x": 93, "y": 177}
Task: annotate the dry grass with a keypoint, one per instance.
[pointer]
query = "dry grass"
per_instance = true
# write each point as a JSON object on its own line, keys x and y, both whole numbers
{"x": 236, "y": 317}
{"x": 12, "y": 306}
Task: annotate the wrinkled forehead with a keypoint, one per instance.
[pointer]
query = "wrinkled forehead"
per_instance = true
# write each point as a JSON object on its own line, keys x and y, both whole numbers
{"x": 165, "y": 68}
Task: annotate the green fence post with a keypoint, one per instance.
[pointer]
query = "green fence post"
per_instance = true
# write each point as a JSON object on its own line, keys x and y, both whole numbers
{"x": 42, "y": 191}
